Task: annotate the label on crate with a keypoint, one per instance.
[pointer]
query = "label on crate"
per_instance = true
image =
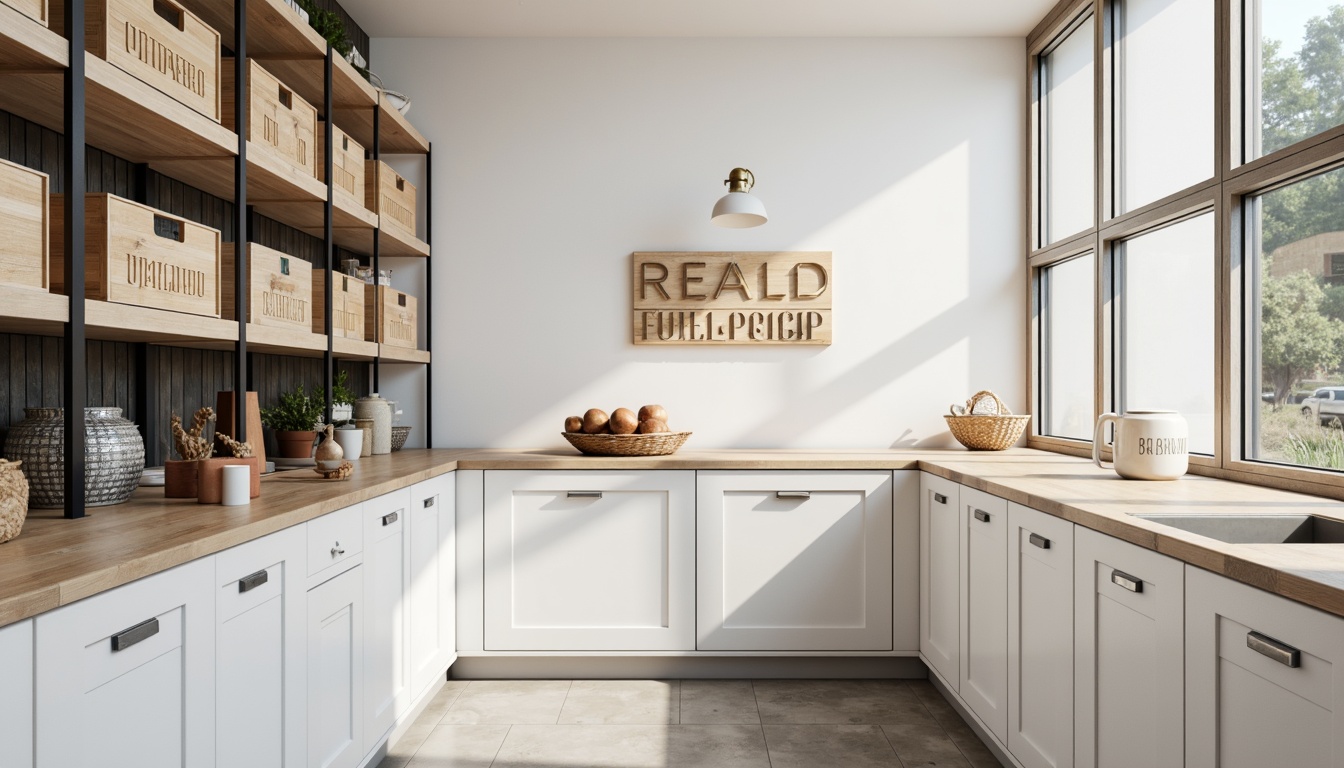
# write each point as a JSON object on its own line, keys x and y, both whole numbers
{"x": 162, "y": 276}
{"x": 153, "y": 53}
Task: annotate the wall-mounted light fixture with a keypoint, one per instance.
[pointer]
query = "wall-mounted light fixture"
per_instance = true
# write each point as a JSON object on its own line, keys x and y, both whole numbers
{"x": 739, "y": 208}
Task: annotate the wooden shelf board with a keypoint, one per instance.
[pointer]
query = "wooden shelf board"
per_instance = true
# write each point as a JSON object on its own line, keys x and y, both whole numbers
{"x": 353, "y": 349}
{"x": 352, "y": 223}
{"x": 285, "y": 341}
{"x": 393, "y": 242}
{"x": 402, "y": 355}
{"x": 276, "y": 188}
{"x": 27, "y": 44}
{"x": 399, "y": 136}
{"x": 32, "y": 310}
{"x": 126, "y": 322}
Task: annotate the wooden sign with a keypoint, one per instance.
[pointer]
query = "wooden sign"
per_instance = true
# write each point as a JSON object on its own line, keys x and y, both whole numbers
{"x": 774, "y": 298}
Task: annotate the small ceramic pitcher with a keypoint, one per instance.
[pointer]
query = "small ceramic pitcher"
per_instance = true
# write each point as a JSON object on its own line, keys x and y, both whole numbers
{"x": 1149, "y": 445}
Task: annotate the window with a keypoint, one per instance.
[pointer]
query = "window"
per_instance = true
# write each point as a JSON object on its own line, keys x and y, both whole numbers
{"x": 1067, "y": 176}
{"x": 1296, "y": 342}
{"x": 1293, "y": 59}
{"x": 1165, "y": 286}
{"x": 1067, "y": 343}
{"x": 1163, "y": 98}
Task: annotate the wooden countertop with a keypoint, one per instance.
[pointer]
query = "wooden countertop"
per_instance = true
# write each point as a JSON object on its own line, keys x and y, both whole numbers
{"x": 55, "y": 562}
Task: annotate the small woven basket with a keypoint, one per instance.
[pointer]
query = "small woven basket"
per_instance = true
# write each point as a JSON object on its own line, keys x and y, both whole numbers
{"x": 13, "y": 499}
{"x": 399, "y": 435}
{"x": 656, "y": 444}
{"x": 988, "y": 425}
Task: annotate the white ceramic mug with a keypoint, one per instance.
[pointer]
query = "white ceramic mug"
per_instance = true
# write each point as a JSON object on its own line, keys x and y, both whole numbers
{"x": 1149, "y": 445}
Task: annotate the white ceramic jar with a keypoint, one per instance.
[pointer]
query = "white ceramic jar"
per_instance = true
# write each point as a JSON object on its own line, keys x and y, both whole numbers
{"x": 380, "y": 410}
{"x": 1149, "y": 445}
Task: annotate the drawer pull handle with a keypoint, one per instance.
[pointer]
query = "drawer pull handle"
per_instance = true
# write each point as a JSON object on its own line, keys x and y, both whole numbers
{"x": 128, "y": 637}
{"x": 390, "y": 518}
{"x": 1125, "y": 581}
{"x": 583, "y": 494}
{"x": 1038, "y": 540}
{"x": 940, "y": 498}
{"x": 793, "y": 494}
{"x": 252, "y": 581}
{"x": 337, "y": 550}
{"x": 430, "y": 502}
{"x": 1283, "y": 653}
{"x": 982, "y": 515}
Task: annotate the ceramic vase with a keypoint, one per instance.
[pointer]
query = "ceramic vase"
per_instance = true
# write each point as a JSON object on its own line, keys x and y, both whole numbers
{"x": 380, "y": 411}
{"x": 114, "y": 456}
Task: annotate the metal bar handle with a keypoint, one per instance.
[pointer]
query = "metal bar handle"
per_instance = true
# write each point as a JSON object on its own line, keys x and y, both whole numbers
{"x": 583, "y": 494}
{"x": 390, "y": 518}
{"x": 1037, "y": 540}
{"x": 253, "y": 580}
{"x": 1125, "y": 581}
{"x": 1283, "y": 653}
{"x": 982, "y": 515}
{"x": 793, "y": 494}
{"x": 128, "y": 637}
{"x": 940, "y": 498}
{"x": 430, "y": 502}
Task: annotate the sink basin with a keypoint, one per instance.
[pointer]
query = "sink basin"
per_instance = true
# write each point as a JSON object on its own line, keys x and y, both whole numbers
{"x": 1258, "y": 529}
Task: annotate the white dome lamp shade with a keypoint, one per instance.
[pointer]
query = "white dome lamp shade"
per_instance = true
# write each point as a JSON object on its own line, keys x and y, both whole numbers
{"x": 739, "y": 208}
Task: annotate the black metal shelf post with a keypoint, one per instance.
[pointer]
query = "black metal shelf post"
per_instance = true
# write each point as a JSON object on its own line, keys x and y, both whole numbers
{"x": 377, "y": 237}
{"x": 429, "y": 291}
{"x": 241, "y": 214}
{"x": 74, "y": 386}
{"x": 328, "y": 139}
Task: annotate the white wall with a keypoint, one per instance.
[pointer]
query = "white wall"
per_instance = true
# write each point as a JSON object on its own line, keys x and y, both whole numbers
{"x": 554, "y": 159}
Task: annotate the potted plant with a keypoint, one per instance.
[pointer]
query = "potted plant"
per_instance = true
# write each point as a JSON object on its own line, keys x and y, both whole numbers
{"x": 342, "y": 400}
{"x": 295, "y": 421}
{"x": 180, "y": 474}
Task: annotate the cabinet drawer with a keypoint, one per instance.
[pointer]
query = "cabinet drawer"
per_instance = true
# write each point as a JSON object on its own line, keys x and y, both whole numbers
{"x": 333, "y": 540}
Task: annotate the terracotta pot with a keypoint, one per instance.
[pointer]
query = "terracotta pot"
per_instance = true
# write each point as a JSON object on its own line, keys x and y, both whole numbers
{"x": 296, "y": 445}
{"x": 210, "y": 478}
{"x": 179, "y": 479}
{"x": 226, "y": 424}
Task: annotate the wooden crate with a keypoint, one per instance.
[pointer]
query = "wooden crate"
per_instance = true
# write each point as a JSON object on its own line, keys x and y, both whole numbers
{"x": 135, "y": 254}
{"x": 347, "y": 165}
{"x": 33, "y": 9}
{"x": 277, "y": 116}
{"x": 391, "y": 197}
{"x": 24, "y": 226}
{"x": 389, "y": 316}
{"x": 281, "y": 288}
{"x": 347, "y": 305}
{"x": 157, "y": 41}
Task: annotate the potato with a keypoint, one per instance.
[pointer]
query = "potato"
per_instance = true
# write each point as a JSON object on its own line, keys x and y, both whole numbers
{"x": 594, "y": 421}
{"x": 655, "y": 412}
{"x": 623, "y": 422}
{"x": 574, "y": 424}
{"x": 652, "y": 426}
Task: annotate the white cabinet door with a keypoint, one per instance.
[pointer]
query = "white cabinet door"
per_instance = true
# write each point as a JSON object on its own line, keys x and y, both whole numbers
{"x": 431, "y": 640}
{"x": 794, "y": 561}
{"x": 260, "y": 652}
{"x": 984, "y": 607}
{"x": 336, "y": 671}
{"x": 386, "y": 693}
{"x": 1264, "y": 678}
{"x": 126, "y": 678}
{"x": 1128, "y": 654}
{"x": 16, "y": 695}
{"x": 590, "y": 561}
{"x": 940, "y": 577}
{"x": 1040, "y": 638}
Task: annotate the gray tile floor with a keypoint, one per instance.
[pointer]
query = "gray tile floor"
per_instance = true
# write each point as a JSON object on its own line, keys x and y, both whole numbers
{"x": 686, "y": 723}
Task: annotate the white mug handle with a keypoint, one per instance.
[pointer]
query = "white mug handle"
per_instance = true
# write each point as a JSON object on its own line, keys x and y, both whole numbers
{"x": 1097, "y": 438}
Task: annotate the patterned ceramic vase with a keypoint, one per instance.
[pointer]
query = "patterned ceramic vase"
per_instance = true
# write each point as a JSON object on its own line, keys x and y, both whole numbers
{"x": 114, "y": 456}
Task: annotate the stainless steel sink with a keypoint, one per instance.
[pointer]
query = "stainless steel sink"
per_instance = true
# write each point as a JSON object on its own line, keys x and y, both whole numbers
{"x": 1258, "y": 529}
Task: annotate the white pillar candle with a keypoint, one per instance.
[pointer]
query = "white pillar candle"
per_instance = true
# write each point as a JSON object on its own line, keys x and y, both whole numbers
{"x": 237, "y": 485}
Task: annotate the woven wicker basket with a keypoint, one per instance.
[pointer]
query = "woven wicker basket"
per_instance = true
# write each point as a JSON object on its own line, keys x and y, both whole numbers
{"x": 656, "y": 444}
{"x": 399, "y": 435}
{"x": 988, "y": 425}
{"x": 13, "y": 499}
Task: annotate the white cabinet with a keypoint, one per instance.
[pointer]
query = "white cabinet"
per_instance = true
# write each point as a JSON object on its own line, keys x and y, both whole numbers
{"x": 1040, "y": 638}
{"x": 983, "y": 532}
{"x": 336, "y": 708}
{"x": 794, "y": 561}
{"x": 260, "y": 652}
{"x": 127, "y": 677}
{"x": 590, "y": 560}
{"x": 1264, "y": 678}
{"x": 16, "y": 695}
{"x": 1128, "y": 654}
{"x": 940, "y": 577}
{"x": 431, "y": 633}
{"x": 386, "y": 692}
